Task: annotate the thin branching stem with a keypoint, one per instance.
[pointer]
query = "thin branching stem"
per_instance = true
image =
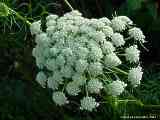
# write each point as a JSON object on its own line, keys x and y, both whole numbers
{"x": 69, "y": 5}
{"x": 20, "y": 16}
{"x": 119, "y": 70}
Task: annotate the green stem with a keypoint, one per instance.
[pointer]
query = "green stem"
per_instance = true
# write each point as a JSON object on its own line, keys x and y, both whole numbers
{"x": 127, "y": 100}
{"x": 127, "y": 38}
{"x": 121, "y": 54}
{"x": 20, "y": 17}
{"x": 86, "y": 90}
{"x": 69, "y": 5}
{"x": 144, "y": 46}
{"x": 136, "y": 101}
{"x": 119, "y": 70}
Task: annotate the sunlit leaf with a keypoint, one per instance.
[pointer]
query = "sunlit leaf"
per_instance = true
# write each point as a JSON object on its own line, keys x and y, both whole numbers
{"x": 4, "y": 11}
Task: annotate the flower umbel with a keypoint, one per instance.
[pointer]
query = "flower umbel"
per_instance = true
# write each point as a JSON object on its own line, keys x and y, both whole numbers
{"x": 135, "y": 76}
{"x": 59, "y": 98}
{"x": 88, "y": 103}
{"x": 80, "y": 57}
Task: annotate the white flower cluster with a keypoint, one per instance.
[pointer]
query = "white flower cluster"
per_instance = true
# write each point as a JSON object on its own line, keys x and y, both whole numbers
{"x": 75, "y": 53}
{"x": 60, "y": 98}
{"x": 88, "y": 103}
{"x": 116, "y": 87}
{"x": 94, "y": 86}
{"x": 135, "y": 75}
{"x": 132, "y": 54}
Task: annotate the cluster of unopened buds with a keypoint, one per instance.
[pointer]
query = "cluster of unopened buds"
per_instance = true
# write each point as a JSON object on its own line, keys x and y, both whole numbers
{"x": 82, "y": 57}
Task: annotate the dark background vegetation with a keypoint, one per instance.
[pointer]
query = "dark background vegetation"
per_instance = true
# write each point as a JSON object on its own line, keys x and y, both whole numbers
{"x": 21, "y": 98}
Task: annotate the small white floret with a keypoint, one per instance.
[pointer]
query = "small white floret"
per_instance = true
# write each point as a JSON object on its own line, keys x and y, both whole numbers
{"x": 112, "y": 60}
{"x": 41, "y": 78}
{"x": 117, "y": 39}
{"x": 59, "y": 98}
{"x": 35, "y": 28}
{"x": 95, "y": 69}
{"x": 116, "y": 88}
{"x": 88, "y": 103}
{"x": 135, "y": 76}
{"x": 94, "y": 86}
{"x": 132, "y": 54}
{"x": 137, "y": 34}
{"x": 72, "y": 89}
{"x": 118, "y": 25}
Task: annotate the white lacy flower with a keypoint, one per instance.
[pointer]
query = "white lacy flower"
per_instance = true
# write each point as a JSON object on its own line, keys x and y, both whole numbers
{"x": 88, "y": 103}
{"x": 112, "y": 60}
{"x": 132, "y": 54}
{"x": 135, "y": 76}
{"x": 67, "y": 52}
{"x": 54, "y": 52}
{"x": 72, "y": 89}
{"x": 116, "y": 88}
{"x": 59, "y": 98}
{"x": 35, "y": 28}
{"x": 98, "y": 36}
{"x": 107, "y": 47}
{"x": 117, "y": 39}
{"x": 73, "y": 13}
{"x": 60, "y": 61}
{"x": 57, "y": 76}
{"x": 137, "y": 34}
{"x": 81, "y": 66}
{"x": 36, "y": 52}
{"x": 50, "y": 23}
{"x": 41, "y": 78}
{"x": 95, "y": 53}
{"x": 74, "y": 53}
{"x": 51, "y": 64}
{"x": 105, "y": 20}
{"x": 50, "y": 30}
{"x": 125, "y": 19}
{"x": 108, "y": 31}
{"x": 95, "y": 69}
{"x": 118, "y": 25}
{"x": 67, "y": 71}
{"x": 94, "y": 86}
{"x": 55, "y": 80}
{"x": 71, "y": 60}
{"x": 40, "y": 62}
{"x": 81, "y": 41}
{"x": 42, "y": 39}
{"x": 51, "y": 17}
{"x": 52, "y": 83}
{"x": 82, "y": 52}
{"x": 70, "y": 29}
{"x": 86, "y": 29}
{"x": 95, "y": 23}
{"x": 79, "y": 79}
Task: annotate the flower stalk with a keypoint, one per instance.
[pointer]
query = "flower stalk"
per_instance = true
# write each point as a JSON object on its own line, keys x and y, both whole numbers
{"x": 20, "y": 16}
{"x": 69, "y": 5}
{"x": 5, "y": 11}
{"x": 119, "y": 70}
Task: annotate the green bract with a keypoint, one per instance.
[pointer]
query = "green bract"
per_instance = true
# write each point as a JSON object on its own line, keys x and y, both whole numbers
{"x": 77, "y": 56}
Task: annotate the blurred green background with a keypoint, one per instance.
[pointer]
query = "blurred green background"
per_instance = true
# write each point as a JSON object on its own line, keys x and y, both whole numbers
{"x": 21, "y": 98}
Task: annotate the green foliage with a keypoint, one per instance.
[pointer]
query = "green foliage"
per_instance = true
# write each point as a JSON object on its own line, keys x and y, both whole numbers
{"x": 152, "y": 9}
{"x": 149, "y": 90}
{"x": 134, "y": 4}
{"x": 4, "y": 11}
{"x": 134, "y": 7}
{"x": 22, "y": 101}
